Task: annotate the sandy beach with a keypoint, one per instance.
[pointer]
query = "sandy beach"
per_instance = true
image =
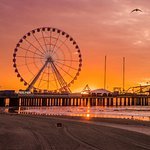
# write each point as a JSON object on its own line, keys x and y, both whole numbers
{"x": 22, "y": 132}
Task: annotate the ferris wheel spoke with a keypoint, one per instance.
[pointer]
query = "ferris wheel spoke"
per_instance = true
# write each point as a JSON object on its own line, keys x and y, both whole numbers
{"x": 39, "y": 43}
{"x": 60, "y": 46}
{"x": 66, "y": 60}
{"x": 31, "y": 51}
{"x": 34, "y": 46}
{"x": 30, "y": 57}
{"x": 64, "y": 70}
{"x": 66, "y": 65}
{"x": 50, "y": 40}
{"x": 55, "y": 43}
{"x": 28, "y": 63}
{"x": 63, "y": 43}
{"x": 44, "y": 41}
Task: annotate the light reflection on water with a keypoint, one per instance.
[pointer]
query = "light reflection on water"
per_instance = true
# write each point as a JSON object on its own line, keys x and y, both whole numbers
{"x": 128, "y": 112}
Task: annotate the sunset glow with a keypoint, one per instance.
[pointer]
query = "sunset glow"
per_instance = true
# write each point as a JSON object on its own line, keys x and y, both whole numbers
{"x": 100, "y": 28}
{"x": 87, "y": 115}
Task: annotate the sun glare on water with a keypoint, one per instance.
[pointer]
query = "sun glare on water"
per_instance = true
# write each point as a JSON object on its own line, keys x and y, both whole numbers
{"x": 87, "y": 115}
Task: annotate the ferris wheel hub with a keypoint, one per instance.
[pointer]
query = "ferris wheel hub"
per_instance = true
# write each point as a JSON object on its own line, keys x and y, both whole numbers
{"x": 49, "y": 59}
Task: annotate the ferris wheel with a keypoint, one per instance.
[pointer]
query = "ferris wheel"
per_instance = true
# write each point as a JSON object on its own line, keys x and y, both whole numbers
{"x": 47, "y": 59}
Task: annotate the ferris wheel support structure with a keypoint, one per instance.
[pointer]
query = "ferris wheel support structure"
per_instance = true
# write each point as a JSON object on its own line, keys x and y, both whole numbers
{"x": 60, "y": 79}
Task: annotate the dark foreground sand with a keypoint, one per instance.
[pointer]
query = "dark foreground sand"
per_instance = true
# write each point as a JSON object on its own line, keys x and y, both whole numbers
{"x": 24, "y": 132}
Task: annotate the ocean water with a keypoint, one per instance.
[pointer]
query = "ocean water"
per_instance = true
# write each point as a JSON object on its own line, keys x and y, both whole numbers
{"x": 127, "y": 112}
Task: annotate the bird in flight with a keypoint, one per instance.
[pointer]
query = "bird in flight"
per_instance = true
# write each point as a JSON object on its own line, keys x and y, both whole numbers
{"x": 136, "y": 10}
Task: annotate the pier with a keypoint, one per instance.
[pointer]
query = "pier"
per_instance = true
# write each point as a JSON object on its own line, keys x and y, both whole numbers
{"x": 74, "y": 100}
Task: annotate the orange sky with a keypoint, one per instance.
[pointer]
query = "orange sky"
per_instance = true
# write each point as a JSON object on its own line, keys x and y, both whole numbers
{"x": 100, "y": 27}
